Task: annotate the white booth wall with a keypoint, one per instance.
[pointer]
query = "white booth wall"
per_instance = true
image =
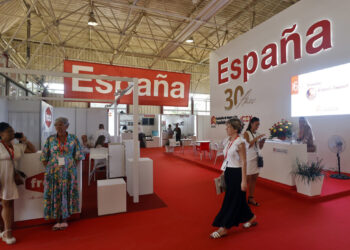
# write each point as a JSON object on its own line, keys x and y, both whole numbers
{"x": 3, "y": 110}
{"x": 147, "y": 129}
{"x": 83, "y": 121}
{"x": 24, "y": 116}
{"x": 186, "y": 123}
{"x": 269, "y": 96}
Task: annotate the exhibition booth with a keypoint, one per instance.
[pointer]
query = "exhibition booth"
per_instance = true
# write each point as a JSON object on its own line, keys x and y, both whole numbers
{"x": 298, "y": 67}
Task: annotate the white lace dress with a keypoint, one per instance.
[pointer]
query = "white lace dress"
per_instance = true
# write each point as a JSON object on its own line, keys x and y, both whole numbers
{"x": 8, "y": 188}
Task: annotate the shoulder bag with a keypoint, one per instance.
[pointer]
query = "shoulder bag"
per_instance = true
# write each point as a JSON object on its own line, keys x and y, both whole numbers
{"x": 260, "y": 158}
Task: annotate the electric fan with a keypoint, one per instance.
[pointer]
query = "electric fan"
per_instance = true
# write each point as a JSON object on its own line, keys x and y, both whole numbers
{"x": 337, "y": 145}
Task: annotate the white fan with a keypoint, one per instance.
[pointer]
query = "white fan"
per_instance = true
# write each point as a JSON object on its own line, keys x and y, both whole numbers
{"x": 337, "y": 145}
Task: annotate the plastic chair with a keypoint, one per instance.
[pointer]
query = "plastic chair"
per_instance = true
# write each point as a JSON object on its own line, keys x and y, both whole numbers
{"x": 202, "y": 148}
{"x": 219, "y": 151}
{"x": 193, "y": 144}
{"x": 98, "y": 154}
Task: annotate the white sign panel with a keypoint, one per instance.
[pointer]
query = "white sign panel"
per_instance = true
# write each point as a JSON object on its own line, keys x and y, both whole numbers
{"x": 47, "y": 122}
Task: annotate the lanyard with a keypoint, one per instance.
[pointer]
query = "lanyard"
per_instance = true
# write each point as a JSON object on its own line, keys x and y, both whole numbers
{"x": 10, "y": 150}
{"x": 229, "y": 146}
{"x": 60, "y": 146}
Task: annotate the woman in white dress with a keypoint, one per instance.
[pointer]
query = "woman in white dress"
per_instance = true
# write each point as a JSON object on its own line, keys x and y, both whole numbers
{"x": 234, "y": 209}
{"x": 254, "y": 143}
{"x": 10, "y": 153}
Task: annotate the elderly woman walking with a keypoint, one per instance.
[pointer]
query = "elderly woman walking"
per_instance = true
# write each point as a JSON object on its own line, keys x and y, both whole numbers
{"x": 60, "y": 156}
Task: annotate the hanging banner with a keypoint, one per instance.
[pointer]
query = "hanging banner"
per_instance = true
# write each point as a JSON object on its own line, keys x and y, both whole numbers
{"x": 46, "y": 122}
{"x": 160, "y": 88}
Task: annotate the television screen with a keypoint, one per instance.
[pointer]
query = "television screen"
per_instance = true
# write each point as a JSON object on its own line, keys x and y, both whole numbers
{"x": 322, "y": 92}
{"x": 151, "y": 121}
{"x": 145, "y": 121}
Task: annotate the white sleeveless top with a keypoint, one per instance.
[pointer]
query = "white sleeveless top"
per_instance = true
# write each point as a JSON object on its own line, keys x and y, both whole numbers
{"x": 252, "y": 152}
{"x": 232, "y": 159}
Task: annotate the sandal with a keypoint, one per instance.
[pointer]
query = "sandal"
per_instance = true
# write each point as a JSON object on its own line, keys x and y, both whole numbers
{"x": 217, "y": 235}
{"x": 254, "y": 203}
{"x": 250, "y": 224}
{"x": 64, "y": 225}
{"x": 8, "y": 241}
{"x": 56, "y": 227}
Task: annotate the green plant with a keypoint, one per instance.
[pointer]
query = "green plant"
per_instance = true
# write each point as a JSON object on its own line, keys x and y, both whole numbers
{"x": 309, "y": 171}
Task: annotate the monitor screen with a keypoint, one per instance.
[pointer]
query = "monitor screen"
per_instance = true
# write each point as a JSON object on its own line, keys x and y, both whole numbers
{"x": 322, "y": 92}
{"x": 145, "y": 121}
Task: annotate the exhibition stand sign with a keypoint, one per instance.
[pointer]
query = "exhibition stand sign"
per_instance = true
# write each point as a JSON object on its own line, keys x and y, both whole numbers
{"x": 160, "y": 88}
{"x": 47, "y": 122}
{"x": 294, "y": 64}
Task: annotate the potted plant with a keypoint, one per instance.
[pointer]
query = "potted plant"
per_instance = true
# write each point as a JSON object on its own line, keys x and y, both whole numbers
{"x": 281, "y": 130}
{"x": 309, "y": 177}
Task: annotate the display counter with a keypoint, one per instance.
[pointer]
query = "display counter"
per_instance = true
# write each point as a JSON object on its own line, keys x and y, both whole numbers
{"x": 280, "y": 160}
{"x": 153, "y": 143}
{"x": 30, "y": 204}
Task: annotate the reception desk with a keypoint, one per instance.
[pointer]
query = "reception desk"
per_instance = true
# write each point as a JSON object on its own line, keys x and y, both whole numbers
{"x": 30, "y": 204}
{"x": 280, "y": 160}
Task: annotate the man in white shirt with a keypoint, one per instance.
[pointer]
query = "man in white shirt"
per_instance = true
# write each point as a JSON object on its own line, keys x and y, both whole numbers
{"x": 101, "y": 131}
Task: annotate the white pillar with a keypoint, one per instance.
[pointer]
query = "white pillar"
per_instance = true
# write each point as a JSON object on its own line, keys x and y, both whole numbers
{"x": 116, "y": 122}
{"x": 160, "y": 130}
{"x": 135, "y": 171}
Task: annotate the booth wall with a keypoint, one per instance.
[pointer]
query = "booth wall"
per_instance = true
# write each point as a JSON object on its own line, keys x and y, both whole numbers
{"x": 24, "y": 116}
{"x": 83, "y": 121}
{"x": 205, "y": 132}
{"x": 187, "y": 128}
{"x": 3, "y": 110}
{"x": 268, "y": 92}
{"x": 146, "y": 109}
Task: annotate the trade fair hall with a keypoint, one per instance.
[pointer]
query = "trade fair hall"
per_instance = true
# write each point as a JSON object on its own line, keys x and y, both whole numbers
{"x": 189, "y": 124}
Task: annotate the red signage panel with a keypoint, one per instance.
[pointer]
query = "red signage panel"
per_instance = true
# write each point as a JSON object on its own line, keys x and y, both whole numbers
{"x": 156, "y": 87}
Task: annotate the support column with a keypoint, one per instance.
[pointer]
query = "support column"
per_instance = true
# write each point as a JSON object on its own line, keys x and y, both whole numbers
{"x": 135, "y": 169}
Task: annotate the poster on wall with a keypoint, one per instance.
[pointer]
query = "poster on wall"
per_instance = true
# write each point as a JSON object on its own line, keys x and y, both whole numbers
{"x": 160, "y": 88}
{"x": 47, "y": 122}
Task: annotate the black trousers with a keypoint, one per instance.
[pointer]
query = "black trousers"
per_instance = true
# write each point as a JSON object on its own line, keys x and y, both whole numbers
{"x": 234, "y": 209}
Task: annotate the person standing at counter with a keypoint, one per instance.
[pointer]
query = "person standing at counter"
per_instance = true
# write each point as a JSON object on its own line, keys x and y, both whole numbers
{"x": 170, "y": 132}
{"x": 305, "y": 135}
{"x": 177, "y": 130}
{"x": 9, "y": 155}
{"x": 60, "y": 156}
{"x": 255, "y": 142}
{"x": 234, "y": 209}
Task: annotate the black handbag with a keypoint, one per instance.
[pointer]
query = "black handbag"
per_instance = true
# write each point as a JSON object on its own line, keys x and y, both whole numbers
{"x": 260, "y": 161}
{"x": 260, "y": 158}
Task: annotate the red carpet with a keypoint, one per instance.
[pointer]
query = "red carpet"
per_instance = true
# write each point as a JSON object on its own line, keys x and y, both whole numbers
{"x": 89, "y": 206}
{"x": 285, "y": 222}
{"x": 332, "y": 188}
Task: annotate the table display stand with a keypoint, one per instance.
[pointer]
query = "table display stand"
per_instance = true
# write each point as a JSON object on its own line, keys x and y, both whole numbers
{"x": 111, "y": 196}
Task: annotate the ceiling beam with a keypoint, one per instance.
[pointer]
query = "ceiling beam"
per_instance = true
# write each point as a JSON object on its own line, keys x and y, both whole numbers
{"x": 210, "y": 10}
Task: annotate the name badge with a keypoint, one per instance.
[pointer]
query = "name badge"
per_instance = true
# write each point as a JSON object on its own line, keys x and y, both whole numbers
{"x": 61, "y": 161}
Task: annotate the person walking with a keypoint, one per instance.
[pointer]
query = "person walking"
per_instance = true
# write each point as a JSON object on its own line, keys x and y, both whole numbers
{"x": 234, "y": 209}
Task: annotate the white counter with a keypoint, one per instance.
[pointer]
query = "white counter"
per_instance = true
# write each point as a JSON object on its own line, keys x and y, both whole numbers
{"x": 30, "y": 204}
{"x": 280, "y": 160}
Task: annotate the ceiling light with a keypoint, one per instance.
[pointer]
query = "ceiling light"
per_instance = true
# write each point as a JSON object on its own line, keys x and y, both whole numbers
{"x": 92, "y": 21}
{"x": 189, "y": 40}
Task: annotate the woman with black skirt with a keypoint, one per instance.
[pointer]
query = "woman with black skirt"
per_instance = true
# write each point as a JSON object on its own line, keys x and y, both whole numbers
{"x": 235, "y": 209}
